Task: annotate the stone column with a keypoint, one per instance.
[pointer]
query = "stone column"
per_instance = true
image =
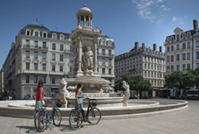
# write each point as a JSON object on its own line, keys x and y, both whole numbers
{"x": 79, "y": 72}
{"x": 79, "y": 20}
{"x": 89, "y": 21}
{"x": 95, "y": 54}
{"x": 113, "y": 67}
{"x": 84, "y": 21}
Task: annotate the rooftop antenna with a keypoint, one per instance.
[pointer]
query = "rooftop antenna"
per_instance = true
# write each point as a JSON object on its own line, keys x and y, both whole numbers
{"x": 36, "y": 19}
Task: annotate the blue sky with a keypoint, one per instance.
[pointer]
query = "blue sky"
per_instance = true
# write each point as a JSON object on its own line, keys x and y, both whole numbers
{"x": 126, "y": 21}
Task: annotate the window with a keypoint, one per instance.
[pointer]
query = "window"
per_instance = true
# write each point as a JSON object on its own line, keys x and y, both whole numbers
{"x": 103, "y": 51}
{"x": 178, "y": 57}
{"x": 188, "y": 65}
{"x": 172, "y": 59}
{"x": 53, "y": 46}
{"x": 109, "y": 61}
{"x": 148, "y": 74}
{"x": 178, "y": 47}
{"x": 184, "y": 45}
{"x": 189, "y": 35}
{"x": 28, "y": 32}
{"x": 109, "y": 52}
{"x": 54, "y": 36}
{"x": 109, "y": 71}
{"x": 197, "y": 55}
{"x": 27, "y": 43}
{"x": 35, "y": 55}
{"x": 27, "y": 78}
{"x": 61, "y": 57}
{"x": 53, "y": 80}
{"x": 27, "y": 65}
{"x": 188, "y": 45}
{"x": 44, "y": 44}
{"x": 36, "y": 43}
{"x": 197, "y": 65}
{"x": 172, "y": 48}
{"x": 103, "y": 70}
{"x": 61, "y": 47}
{"x": 45, "y": 35}
{"x": 61, "y": 37}
{"x": 183, "y": 67}
{"x": 178, "y": 37}
{"x": 53, "y": 57}
{"x": 168, "y": 49}
{"x": 168, "y": 68}
{"x": 36, "y": 34}
{"x": 61, "y": 68}
{"x": 103, "y": 61}
{"x": 35, "y": 66}
{"x": 27, "y": 54}
{"x": 44, "y": 55}
{"x": 103, "y": 42}
{"x": 172, "y": 68}
{"x": 178, "y": 67}
{"x": 168, "y": 58}
{"x": 188, "y": 56}
{"x": 35, "y": 79}
{"x": 184, "y": 56}
{"x": 197, "y": 44}
{"x": 53, "y": 68}
{"x": 43, "y": 67}
{"x": 44, "y": 79}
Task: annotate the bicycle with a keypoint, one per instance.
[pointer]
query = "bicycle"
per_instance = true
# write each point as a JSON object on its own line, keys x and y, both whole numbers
{"x": 42, "y": 118}
{"x": 93, "y": 115}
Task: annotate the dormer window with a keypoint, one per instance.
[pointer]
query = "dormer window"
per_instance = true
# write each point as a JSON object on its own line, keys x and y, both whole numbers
{"x": 54, "y": 36}
{"x": 61, "y": 37}
{"x": 189, "y": 35}
{"x": 44, "y": 35}
{"x": 36, "y": 33}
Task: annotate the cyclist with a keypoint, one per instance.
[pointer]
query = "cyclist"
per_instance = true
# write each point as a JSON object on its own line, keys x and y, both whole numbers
{"x": 40, "y": 102}
{"x": 79, "y": 100}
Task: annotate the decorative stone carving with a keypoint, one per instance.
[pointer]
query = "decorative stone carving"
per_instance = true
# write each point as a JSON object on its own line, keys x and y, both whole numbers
{"x": 126, "y": 93}
{"x": 63, "y": 93}
{"x": 108, "y": 89}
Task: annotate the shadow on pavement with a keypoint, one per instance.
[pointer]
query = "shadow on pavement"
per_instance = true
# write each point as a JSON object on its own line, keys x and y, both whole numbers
{"x": 29, "y": 130}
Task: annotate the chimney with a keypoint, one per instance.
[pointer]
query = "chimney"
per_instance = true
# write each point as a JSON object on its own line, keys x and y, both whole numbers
{"x": 154, "y": 47}
{"x": 195, "y": 25}
{"x": 160, "y": 48}
{"x": 136, "y": 45}
{"x": 143, "y": 45}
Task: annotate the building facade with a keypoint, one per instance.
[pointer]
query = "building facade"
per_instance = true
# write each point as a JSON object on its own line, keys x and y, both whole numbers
{"x": 145, "y": 62}
{"x": 1, "y": 82}
{"x": 39, "y": 53}
{"x": 181, "y": 50}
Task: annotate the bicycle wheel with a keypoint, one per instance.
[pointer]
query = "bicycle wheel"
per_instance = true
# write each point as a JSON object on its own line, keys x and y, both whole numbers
{"x": 94, "y": 116}
{"x": 57, "y": 117}
{"x": 75, "y": 121}
{"x": 40, "y": 121}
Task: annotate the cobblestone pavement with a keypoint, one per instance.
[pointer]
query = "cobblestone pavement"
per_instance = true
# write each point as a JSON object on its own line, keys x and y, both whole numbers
{"x": 185, "y": 121}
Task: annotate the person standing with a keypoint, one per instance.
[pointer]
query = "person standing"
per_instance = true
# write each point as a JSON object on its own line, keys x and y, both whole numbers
{"x": 40, "y": 102}
{"x": 79, "y": 100}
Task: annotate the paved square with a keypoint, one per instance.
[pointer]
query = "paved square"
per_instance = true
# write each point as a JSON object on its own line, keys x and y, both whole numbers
{"x": 184, "y": 121}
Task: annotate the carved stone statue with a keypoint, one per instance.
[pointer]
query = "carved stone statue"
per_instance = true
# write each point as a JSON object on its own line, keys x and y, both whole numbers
{"x": 90, "y": 59}
{"x": 126, "y": 93}
{"x": 87, "y": 61}
{"x": 63, "y": 93}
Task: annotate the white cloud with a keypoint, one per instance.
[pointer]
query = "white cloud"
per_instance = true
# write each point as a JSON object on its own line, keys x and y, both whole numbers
{"x": 180, "y": 20}
{"x": 145, "y": 9}
{"x": 165, "y": 8}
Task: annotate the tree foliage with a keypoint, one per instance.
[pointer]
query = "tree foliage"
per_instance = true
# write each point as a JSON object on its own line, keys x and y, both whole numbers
{"x": 136, "y": 83}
